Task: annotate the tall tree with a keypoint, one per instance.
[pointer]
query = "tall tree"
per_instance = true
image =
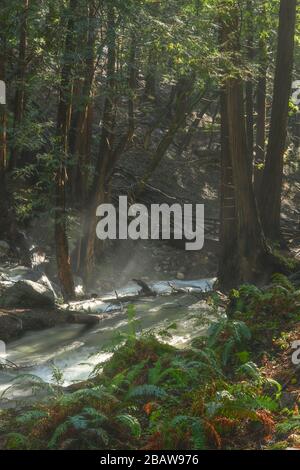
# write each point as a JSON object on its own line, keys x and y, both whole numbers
{"x": 228, "y": 270}
{"x": 250, "y": 255}
{"x": 249, "y": 83}
{"x": 97, "y": 194}
{"x": 261, "y": 96}
{"x": 271, "y": 187}
{"x": 19, "y": 101}
{"x": 4, "y": 205}
{"x": 81, "y": 128}
{"x": 63, "y": 124}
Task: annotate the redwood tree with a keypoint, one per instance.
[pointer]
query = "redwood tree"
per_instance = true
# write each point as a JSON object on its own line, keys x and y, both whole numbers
{"x": 63, "y": 122}
{"x": 271, "y": 187}
{"x": 97, "y": 196}
{"x": 19, "y": 101}
{"x": 249, "y": 255}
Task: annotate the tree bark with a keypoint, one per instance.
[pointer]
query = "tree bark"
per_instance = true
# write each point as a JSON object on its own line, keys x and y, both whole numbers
{"x": 3, "y": 146}
{"x": 228, "y": 274}
{"x": 86, "y": 247}
{"x": 80, "y": 133}
{"x": 271, "y": 187}
{"x": 151, "y": 76}
{"x": 260, "y": 147}
{"x": 19, "y": 104}
{"x": 63, "y": 123}
{"x": 250, "y": 253}
{"x": 249, "y": 86}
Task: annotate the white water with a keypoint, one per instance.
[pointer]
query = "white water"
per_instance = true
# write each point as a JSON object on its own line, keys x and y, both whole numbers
{"x": 76, "y": 349}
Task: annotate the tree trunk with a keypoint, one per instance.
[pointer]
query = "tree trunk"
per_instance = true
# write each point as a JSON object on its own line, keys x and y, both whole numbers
{"x": 228, "y": 274}
{"x": 3, "y": 143}
{"x": 7, "y": 218}
{"x": 3, "y": 146}
{"x": 63, "y": 123}
{"x": 271, "y": 187}
{"x": 249, "y": 87}
{"x": 252, "y": 250}
{"x": 151, "y": 76}
{"x": 261, "y": 117}
{"x": 19, "y": 103}
{"x": 80, "y": 134}
{"x": 249, "y": 254}
{"x": 86, "y": 248}
{"x": 126, "y": 138}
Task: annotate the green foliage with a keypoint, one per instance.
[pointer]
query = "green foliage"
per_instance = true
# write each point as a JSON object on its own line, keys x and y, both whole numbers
{"x": 16, "y": 441}
{"x": 57, "y": 375}
{"x": 29, "y": 417}
{"x": 266, "y": 310}
{"x": 146, "y": 391}
{"x": 292, "y": 424}
{"x": 131, "y": 423}
{"x": 186, "y": 423}
{"x": 228, "y": 336}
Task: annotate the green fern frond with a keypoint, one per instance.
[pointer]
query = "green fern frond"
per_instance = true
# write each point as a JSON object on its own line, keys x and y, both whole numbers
{"x": 292, "y": 424}
{"x": 16, "y": 441}
{"x": 58, "y": 434}
{"x": 132, "y": 423}
{"x": 195, "y": 425}
{"x": 147, "y": 390}
{"x": 31, "y": 416}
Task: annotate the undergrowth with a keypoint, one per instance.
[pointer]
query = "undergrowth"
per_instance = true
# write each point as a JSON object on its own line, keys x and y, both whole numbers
{"x": 150, "y": 395}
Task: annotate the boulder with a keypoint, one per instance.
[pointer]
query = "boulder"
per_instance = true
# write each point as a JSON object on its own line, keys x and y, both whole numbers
{"x": 26, "y": 293}
{"x": 41, "y": 278}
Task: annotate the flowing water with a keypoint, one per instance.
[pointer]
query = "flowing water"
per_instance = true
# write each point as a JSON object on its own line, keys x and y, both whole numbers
{"x": 76, "y": 349}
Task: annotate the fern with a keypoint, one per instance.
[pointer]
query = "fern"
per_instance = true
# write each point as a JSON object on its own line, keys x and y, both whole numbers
{"x": 147, "y": 390}
{"x": 16, "y": 441}
{"x": 135, "y": 371}
{"x": 251, "y": 370}
{"x": 292, "y": 424}
{"x": 195, "y": 425}
{"x": 78, "y": 422}
{"x": 102, "y": 435}
{"x": 227, "y": 351}
{"x": 94, "y": 415}
{"x": 30, "y": 416}
{"x": 28, "y": 380}
{"x": 132, "y": 423}
{"x": 86, "y": 394}
{"x": 208, "y": 362}
{"x": 241, "y": 406}
{"x": 178, "y": 372}
{"x": 58, "y": 434}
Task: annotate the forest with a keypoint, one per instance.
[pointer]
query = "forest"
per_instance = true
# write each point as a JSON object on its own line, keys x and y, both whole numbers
{"x": 174, "y": 323}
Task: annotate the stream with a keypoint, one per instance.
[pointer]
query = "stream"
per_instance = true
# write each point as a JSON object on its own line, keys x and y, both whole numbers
{"x": 76, "y": 349}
